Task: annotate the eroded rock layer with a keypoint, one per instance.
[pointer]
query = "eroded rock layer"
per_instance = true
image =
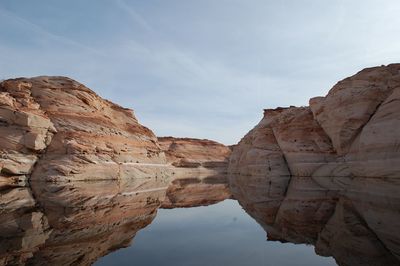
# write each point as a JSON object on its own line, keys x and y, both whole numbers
{"x": 198, "y": 170}
{"x": 76, "y": 134}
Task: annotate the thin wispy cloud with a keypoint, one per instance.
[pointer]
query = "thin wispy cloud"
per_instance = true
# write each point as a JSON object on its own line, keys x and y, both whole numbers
{"x": 44, "y": 34}
{"x": 134, "y": 15}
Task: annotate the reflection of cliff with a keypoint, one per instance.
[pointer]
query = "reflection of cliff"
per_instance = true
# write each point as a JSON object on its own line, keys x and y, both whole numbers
{"x": 89, "y": 220}
{"x": 23, "y": 226}
{"x": 75, "y": 222}
{"x": 355, "y": 220}
{"x": 198, "y": 169}
{"x": 328, "y": 174}
{"x": 64, "y": 223}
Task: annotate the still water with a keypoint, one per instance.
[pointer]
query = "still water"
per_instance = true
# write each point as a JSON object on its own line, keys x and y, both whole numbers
{"x": 219, "y": 234}
{"x": 250, "y": 221}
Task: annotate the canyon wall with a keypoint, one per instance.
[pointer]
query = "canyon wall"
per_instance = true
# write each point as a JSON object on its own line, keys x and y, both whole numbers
{"x": 79, "y": 176}
{"x": 353, "y": 131}
{"x": 318, "y": 174}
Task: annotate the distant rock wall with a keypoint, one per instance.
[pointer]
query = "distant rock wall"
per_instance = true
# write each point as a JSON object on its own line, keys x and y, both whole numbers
{"x": 198, "y": 170}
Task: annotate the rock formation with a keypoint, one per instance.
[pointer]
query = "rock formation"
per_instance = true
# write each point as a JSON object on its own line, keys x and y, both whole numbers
{"x": 56, "y": 129}
{"x": 74, "y": 169}
{"x": 353, "y": 131}
{"x": 316, "y": 174}
{"x": 79, "y": 176}
{"x": 198, "y": 169}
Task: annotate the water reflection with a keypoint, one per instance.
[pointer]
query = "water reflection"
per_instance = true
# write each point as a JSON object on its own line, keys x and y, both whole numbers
{"x": 354, "y": 220}
{"x": 75, "y": 222}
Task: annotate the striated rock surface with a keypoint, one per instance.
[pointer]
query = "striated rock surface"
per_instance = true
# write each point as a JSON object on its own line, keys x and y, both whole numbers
{"x": 198, "y": 169}
{"x": 353, "y": 131}
{"x": 69, "y": 133}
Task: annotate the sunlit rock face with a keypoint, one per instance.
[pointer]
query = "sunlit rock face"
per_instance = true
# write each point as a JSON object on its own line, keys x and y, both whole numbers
{"x": 318, "y": 174}
{"x": 198, "y": 169}
{"x": 56, "y": 129}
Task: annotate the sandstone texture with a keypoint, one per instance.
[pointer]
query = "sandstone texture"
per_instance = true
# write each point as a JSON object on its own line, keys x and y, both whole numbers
{"x": 56, "y": 129}
{"x": 353, "y": 131}
{"x": 198, "y": 170}
{"x": 328, "y": 174}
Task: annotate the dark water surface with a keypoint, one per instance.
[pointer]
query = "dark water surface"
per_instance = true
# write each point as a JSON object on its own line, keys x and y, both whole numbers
{"x": 219, "y": 234}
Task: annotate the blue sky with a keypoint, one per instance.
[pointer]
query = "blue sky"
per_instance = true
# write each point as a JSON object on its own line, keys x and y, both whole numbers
{"x": 202, "y": 69}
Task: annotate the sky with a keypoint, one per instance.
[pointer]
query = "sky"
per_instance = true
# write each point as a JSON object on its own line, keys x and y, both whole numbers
{"x": 203, "y": 69}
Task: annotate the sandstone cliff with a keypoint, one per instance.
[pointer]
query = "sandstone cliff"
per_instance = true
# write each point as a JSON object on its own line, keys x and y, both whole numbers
{"x": 79, "y": 176}
{"x": 198, "y": 170}
{"x": 75, "y": 170}
{"x": 317, "y": 174}
{"x": 353, "y": 131}
{"x": 56, "y": 129}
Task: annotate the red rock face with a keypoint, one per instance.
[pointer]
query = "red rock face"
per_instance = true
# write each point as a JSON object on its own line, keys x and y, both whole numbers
{"x": 76, "y": 134}
{"x": 198, "y": 169}
{"x": 318, "y": 174}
